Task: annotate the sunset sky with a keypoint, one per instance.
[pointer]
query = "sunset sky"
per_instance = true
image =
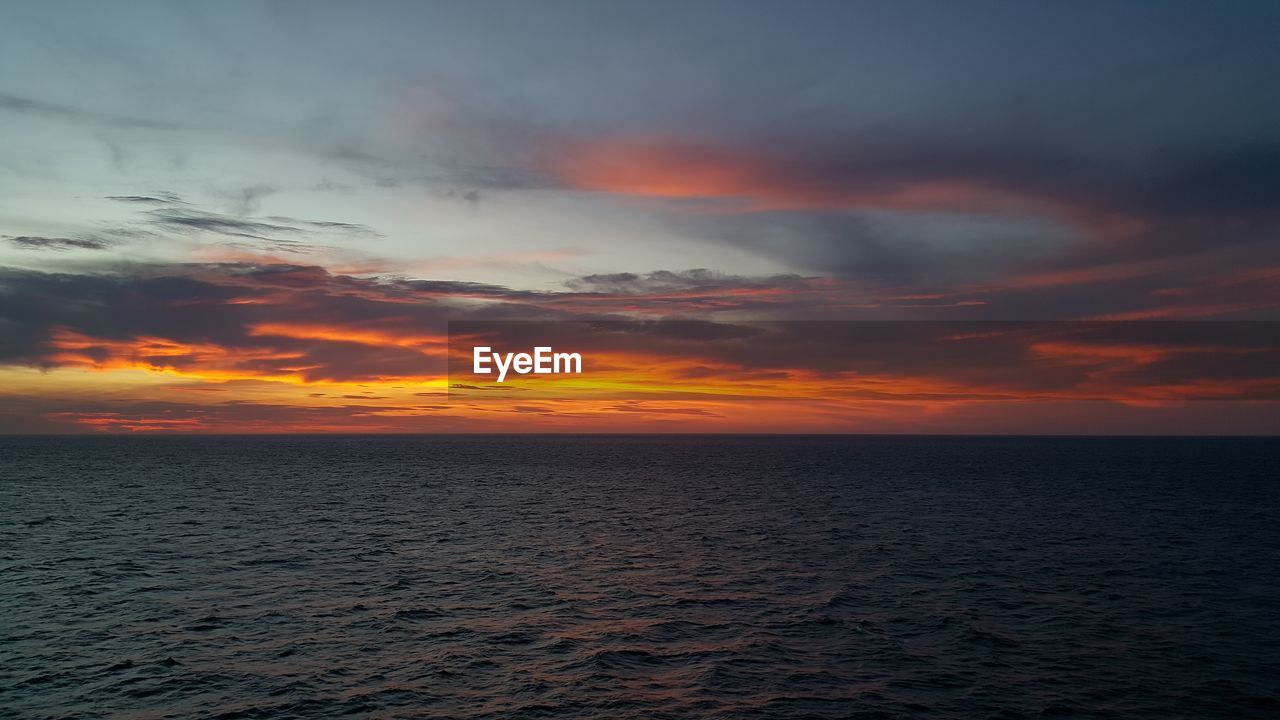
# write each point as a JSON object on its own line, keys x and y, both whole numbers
{"x": 261, "y": 216}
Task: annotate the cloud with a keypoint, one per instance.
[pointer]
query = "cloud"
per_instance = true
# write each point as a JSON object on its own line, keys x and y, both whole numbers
{"x": 883, "y": 171}
{"x": 28, "y": 106}
{"x": 274, "y": 232}
{"x": 886, "y": 248}
{"x": 25, "y": 414}
{"x": 687, "y": 281}
{"x": 301, "y": 327}
{"x": 304, "y": 323}
{"x": 919, "y": 207}
{"x": 33, "y": 242}
{"x": 146, "y": 199}
{"x": 345, "y": 227}
{"x": 917, "y": 361}
{"x": 213, "y": 322}
{"x": 187, "y": 220}
{"x": 929, "y": 209}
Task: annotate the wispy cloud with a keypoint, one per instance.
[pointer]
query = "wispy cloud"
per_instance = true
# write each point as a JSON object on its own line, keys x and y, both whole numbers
{"x": 34, "y": 242}
{"x": 29, "y": 106}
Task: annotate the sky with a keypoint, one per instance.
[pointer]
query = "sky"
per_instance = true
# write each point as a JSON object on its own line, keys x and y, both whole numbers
{"x": 262, "y": 216}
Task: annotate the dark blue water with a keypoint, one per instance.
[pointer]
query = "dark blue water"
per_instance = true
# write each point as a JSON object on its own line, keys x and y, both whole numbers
{"x": 639, "y": 577}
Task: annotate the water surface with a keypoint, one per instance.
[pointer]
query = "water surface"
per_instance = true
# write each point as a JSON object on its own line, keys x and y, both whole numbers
{"x": 639, "y": 577}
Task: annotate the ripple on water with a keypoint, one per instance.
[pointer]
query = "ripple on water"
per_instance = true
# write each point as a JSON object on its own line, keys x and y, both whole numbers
{"x": 639, "y": 577}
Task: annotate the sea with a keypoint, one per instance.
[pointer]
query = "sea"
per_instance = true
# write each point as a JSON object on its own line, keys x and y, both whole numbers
{"x": 639, "y": 577}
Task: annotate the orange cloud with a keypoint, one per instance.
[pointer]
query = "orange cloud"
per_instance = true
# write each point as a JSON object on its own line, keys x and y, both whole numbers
{"x": 285, "y": 348}
{"x": 154, "y": 353}
{"x": 130, "y": 423}
{"x": 217, "y": 363}
{"x": 431, "y": 345}
{"x": 646, "y": 167}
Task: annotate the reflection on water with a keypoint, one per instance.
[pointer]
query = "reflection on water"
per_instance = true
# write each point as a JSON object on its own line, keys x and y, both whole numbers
{"x": 639, "y": 577}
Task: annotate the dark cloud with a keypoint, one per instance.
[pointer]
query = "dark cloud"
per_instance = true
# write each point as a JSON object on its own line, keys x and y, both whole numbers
{"x": 34, "y": 242}
{"x": 903, "y": 248}
{"x": 927, "y": 211}
{"x": 460, "y": 288}
{"x": 667, "y": 281}
{"x": 350, "y": 326}
{"x": 138, "y": 199}
{"x": 1239, "y": 183}
{"x": 207, "y": 311}
{"x": 972, "y": 360}
{"x": 276, "y": 232}
{"x": 266, "y": 322}
{"x": 341, "y": 227}
{"x": 189, "y": 220}
{"x": 920, "y": 172}
{"x": 159, "y": 198}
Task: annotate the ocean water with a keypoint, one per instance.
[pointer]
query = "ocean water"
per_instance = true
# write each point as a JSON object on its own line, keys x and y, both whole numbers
{"x": 639, "y": 577}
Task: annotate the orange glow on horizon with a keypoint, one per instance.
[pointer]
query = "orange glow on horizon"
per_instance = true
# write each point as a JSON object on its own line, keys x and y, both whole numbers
{"x": 157, "y": 384}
